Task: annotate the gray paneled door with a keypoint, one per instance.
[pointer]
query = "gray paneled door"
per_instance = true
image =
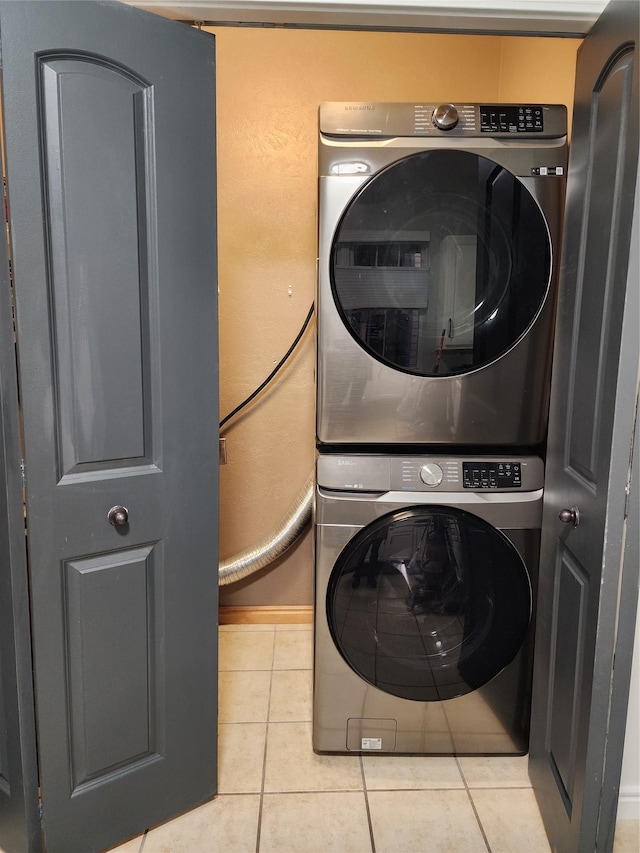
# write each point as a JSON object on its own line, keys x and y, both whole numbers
{"x": 109, "y": 131}
{"x": 589, "y": 563}
{"x": 19, "y": 819}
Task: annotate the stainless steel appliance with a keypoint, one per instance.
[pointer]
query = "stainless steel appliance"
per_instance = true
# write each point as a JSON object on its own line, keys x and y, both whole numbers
{"x": 438, "y": 248}
{"x": 426, "y": 568}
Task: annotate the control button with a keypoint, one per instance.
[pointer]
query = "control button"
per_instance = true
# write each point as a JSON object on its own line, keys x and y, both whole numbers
{"x": 431, "y": 474}
{"x": 445, "y": 117}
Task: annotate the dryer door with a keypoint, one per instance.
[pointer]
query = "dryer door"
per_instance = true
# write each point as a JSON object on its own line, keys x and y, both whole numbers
{"x": 429, "y": 603}
{"x": 441, "y": 263}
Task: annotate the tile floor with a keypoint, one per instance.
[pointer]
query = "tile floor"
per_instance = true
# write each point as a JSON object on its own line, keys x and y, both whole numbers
{"x": 277, "y": 796}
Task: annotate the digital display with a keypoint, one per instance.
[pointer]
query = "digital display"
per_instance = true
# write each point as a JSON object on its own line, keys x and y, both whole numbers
{"x": 491, "y": 475}
{"x": 501, "y": 119}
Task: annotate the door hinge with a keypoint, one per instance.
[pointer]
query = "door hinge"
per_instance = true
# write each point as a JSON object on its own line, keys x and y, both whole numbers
{"x": 22, "y": 473}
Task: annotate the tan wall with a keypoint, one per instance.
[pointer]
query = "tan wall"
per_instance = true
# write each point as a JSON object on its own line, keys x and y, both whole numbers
{"x": 538, "y": 70}
{"x": 270, "y": 82}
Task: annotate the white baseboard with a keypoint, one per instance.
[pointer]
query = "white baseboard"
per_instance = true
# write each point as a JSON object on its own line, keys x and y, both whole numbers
{"x": 629, "y": 803}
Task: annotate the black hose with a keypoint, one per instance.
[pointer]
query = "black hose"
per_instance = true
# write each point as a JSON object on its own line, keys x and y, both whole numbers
{"x": 273, "y": 373}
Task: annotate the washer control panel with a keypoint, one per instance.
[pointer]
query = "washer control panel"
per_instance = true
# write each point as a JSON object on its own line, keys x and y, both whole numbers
{"x": 379, "y": 473}
{"x": 491, "y": 475}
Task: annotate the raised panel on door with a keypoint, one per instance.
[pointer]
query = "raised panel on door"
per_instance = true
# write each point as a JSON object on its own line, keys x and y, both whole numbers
{"x": 570, "y": 606}
{"x": 114, "y": 607}
{"x": 578, "y": 696}
{"x": 110, "y": 140}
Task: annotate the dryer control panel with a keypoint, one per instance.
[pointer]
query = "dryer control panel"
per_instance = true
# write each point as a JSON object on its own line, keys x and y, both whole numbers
{"x": 507, "y": 119}
{"x": 379, "y": 120}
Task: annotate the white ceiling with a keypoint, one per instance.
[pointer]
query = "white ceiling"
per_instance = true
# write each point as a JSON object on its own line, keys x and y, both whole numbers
{"x": 527, "y": 17}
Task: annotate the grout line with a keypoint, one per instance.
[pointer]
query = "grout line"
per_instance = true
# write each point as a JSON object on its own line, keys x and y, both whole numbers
{"x": 425, "y": 790}
{"x": 309, "y": 791}
{"x": 266, "y": 743}
{"x": 144, "y": 838}
{"x": 295, "y": 669}
{"x": 289, "y": 722}
{"x": 366, "y": 804}
{"x": 473, "y": 805}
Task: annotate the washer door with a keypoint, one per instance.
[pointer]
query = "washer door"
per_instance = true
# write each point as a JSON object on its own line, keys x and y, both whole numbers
{"x": 429, "y": 603}
{"x": 441, "y": 263}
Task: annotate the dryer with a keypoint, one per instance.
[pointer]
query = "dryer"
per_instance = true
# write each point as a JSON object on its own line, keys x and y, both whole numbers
{"x": 439, "y": 231}
{"x": 426, "y": 572}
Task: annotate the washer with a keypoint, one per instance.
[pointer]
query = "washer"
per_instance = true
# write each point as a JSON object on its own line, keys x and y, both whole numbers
{"x": 439, "y": 230}
{"x": 426, "y": 570}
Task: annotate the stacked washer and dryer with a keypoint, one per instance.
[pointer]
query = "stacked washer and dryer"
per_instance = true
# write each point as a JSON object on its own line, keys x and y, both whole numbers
{"x": 439, "y": 229}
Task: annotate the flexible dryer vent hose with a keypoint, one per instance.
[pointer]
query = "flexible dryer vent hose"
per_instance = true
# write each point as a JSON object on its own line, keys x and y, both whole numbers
{"x": 274, "y": 545}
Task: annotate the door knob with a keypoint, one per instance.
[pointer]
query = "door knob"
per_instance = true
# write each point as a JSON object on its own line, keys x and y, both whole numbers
{"x": 570, "y": 516}
{"x": 118, "y": 516}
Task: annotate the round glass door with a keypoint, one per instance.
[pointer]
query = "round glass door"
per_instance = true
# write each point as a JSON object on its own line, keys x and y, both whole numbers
{"x": 429, "y": 603}
{"x": 440, "y": 263}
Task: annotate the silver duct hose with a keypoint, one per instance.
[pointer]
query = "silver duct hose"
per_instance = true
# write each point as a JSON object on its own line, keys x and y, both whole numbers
{"x": 274, "y": 545}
